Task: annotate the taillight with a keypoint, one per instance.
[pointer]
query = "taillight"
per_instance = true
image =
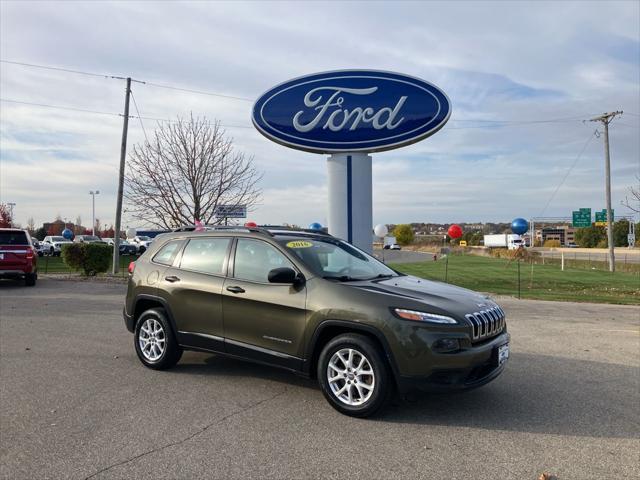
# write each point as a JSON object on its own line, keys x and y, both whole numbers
{"x": 29, "y": 252}
{"x": 132, "y": 267}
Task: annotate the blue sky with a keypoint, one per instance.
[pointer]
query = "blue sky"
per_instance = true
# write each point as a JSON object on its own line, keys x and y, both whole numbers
{"x": 497, "y": 61}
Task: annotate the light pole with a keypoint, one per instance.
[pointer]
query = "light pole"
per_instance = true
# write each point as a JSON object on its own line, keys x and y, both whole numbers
{"x": 93, "y": 210}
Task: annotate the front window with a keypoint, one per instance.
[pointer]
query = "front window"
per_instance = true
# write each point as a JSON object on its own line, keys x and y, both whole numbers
{"x": 334, "y": 259}
{"x": 255, "y": 259}
{"x": 144, "y": 239}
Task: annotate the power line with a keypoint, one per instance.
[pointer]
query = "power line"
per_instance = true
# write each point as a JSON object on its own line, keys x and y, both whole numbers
{"x": 200, "y": 92}
{"x": 75, "y": 109}
{"x": 568, "y": 173}
{"x": 59, "y": 69}
{"x": 170, "y": 87}
{"x": 135, "y": 104}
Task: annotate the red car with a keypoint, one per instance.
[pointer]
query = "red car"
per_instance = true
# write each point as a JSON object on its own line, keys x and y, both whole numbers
{"x": 18, "y": 257}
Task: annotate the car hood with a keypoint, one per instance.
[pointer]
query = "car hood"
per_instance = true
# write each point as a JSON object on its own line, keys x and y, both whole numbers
{"x": 407, "y": 291}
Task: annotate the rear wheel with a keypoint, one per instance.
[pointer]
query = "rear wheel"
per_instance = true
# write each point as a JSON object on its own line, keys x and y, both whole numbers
{"x": 30, "y": 279}
{"x": 154, "y": 341}
{"x": 354, "y": 376}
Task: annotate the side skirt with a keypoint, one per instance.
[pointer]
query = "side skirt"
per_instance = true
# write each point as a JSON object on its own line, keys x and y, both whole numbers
{"x": 201, "y": 342}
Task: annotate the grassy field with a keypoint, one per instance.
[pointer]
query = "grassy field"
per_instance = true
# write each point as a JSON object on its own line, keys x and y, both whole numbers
{"x": 56, "y": 265}
{"x": 545, "y": 282}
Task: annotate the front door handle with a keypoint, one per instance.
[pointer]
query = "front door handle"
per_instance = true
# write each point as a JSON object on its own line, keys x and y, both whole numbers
{"x": 235, "y": 289}
{"x": 172, "y": 278}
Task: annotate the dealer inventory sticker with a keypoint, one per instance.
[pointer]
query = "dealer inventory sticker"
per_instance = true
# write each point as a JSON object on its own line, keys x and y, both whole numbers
{"x": 299, "y": 244}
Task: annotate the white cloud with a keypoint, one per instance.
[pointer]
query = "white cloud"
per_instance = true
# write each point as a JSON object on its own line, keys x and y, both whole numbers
{"x": 496, "y": 60}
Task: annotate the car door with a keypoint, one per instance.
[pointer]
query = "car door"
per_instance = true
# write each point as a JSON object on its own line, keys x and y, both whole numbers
{"x": 264, "y": 321}
{"x": 192, "y": 286}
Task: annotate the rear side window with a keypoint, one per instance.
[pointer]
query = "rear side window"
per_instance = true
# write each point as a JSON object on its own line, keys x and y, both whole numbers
{"x": 13, "y": 238}
{"x": 205, "y": 255}
{"x": 167, "y": 253}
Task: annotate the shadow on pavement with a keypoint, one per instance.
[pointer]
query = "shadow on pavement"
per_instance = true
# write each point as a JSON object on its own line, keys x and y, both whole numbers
{"x": 539, "y": 394}
{"x": 536, "y": 393}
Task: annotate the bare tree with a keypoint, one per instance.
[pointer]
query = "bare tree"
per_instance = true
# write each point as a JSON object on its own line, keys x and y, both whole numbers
{"x": 185, "y": 171}
{"x": 31, "y": 225}
{"x": 633, "y": 203}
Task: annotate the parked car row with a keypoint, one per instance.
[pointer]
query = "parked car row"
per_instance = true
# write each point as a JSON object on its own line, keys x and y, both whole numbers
{"x": 52, "y": 244}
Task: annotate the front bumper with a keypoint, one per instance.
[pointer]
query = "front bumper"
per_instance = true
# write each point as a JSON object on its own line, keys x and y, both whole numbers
{"x": 462, "y": 370}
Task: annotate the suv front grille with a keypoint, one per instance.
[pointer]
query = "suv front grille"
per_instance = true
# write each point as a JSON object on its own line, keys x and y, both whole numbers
{"x": 486, "y": 323}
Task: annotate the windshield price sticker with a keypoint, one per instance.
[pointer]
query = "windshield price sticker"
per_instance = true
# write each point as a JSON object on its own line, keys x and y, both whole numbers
{"x": 299, "y": 244}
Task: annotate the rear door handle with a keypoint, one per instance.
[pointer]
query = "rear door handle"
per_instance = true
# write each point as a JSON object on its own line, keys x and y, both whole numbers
{"x": 172, "y": 278}
{"x": 235, "y": 289}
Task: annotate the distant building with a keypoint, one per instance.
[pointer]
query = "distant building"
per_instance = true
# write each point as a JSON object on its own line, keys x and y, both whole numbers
{"x": 57, "y": 226}
{"x": 563, "y": 233}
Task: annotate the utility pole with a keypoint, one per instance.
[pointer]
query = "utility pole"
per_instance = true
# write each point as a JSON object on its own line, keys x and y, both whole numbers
{"x": 93, "y": 211}
{"x": 606, "y": 118}
{"x": 123, "y": 154}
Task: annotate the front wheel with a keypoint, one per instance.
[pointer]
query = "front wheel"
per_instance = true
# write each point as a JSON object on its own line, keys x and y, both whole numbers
{"x": 154, "y": 341}
{"x": 354, "y": 376}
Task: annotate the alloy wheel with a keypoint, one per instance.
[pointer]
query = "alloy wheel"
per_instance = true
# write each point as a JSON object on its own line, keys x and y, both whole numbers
{"x": 350, "y": 376}
{"x": 152, "y": 339}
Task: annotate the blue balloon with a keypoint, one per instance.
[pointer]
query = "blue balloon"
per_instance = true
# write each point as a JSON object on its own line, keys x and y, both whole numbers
{"x": 519, "y": 226}
{"x": 315, "y": 226}
{"x": 68, "y": 234}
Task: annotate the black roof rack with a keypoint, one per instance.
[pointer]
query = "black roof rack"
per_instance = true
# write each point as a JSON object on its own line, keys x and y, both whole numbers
{"x": 213, "y": 228}
{"x": 284, "y": 229}
{"x": 265, "y": 229}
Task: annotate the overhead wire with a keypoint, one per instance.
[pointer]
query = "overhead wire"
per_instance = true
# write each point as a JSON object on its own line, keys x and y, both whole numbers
{"x": 566, "y": 175}
{"x": 135, "y": 104}
{"x": 153, "y": 84}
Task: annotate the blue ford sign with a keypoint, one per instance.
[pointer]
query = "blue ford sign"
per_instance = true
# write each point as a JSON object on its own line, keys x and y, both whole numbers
{"x": 351, "y": 111}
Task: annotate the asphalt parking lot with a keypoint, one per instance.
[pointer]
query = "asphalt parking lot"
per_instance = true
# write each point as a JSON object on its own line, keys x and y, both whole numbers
{"x": 76, "y": 403}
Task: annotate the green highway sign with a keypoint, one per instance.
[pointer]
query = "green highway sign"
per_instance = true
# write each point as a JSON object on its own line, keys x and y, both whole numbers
{"x": 601, "y": 217}
{"x": 582, "y": 218}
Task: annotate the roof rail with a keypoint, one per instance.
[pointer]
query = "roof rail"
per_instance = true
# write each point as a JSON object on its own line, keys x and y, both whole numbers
{"x": 294, "y": 229}
{"x": 210, "y": 228}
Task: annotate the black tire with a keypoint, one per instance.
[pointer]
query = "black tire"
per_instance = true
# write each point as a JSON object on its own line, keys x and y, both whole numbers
{"x": 172, "y": 351}
{"x": 383, "y": 386}
{"x": 30, "y": 279}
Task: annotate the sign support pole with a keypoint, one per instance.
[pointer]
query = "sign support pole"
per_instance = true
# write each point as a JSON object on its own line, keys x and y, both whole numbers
{"x": 350, "y": 198}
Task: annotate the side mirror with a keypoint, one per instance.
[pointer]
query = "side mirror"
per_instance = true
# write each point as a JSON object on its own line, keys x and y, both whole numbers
{"x": 282, "y": 275}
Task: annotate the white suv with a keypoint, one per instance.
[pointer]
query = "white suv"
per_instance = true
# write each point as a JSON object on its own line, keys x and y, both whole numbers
{"x": 52, "y": 244}
{"x": 142, "y": 242}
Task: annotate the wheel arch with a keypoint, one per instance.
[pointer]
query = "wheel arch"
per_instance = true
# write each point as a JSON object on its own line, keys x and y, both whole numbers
{"x": 329, "y": 329}
{"x": 145, "y": 302}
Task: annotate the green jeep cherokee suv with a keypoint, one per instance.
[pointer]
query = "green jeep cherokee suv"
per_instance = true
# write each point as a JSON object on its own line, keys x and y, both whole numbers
{"x": 313, "y": 304}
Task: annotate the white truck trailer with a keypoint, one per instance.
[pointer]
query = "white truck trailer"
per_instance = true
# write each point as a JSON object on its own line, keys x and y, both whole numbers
{"x": 504, "y": 240}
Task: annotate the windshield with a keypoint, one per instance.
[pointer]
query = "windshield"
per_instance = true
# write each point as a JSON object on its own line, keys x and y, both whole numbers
{"x": 144, "y": 239}
{"x": 59, "y": 239}
{"x": 334, "y": 259}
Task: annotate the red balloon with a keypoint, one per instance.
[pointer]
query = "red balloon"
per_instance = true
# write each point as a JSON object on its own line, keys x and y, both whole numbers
{"x": 251, "y": 224}
{"x": 454, "y": 231}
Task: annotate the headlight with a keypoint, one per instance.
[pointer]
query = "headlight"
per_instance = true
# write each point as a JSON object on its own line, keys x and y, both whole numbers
{"x": 423, "y": 316}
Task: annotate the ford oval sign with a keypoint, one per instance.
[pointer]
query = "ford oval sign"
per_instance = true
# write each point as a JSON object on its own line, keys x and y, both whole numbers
{"x": 351, "y": 111}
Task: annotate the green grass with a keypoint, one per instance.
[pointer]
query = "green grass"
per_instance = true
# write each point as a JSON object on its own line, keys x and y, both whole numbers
{"x": 543, "y": 282}
{"x": 56, "y": 265}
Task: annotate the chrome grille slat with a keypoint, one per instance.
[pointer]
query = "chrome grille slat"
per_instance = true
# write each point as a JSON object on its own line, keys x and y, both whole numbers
{"x": 486, "y": 323}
